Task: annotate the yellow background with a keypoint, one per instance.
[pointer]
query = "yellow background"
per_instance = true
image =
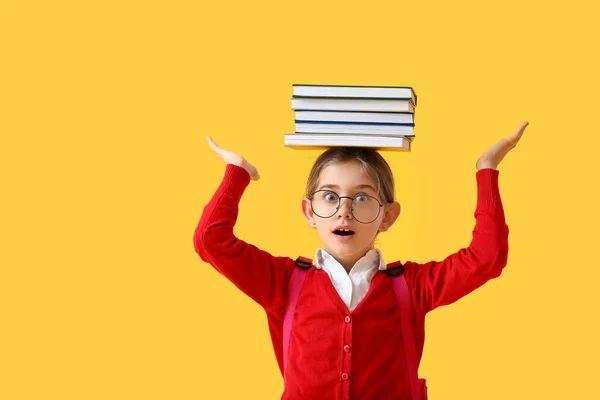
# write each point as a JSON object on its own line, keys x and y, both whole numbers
{"x": 105, "y": 170}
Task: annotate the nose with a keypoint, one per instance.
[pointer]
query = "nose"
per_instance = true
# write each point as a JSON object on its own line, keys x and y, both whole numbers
{"x": 345, "y": 208}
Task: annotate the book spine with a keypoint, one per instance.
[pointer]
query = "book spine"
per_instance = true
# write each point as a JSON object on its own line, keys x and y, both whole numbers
{"x": 387, "y": 134}
{"x": 296, "y": 96}
{"x": 358, "y": 123}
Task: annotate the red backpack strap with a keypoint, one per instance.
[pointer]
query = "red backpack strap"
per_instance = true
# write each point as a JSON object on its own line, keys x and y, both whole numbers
{"x": 406, "y": 318}
{"x": 294, "y": 286}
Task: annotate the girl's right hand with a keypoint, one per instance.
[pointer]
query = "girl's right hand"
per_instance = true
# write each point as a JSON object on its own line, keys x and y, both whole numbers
{"x": 233, "y": 158}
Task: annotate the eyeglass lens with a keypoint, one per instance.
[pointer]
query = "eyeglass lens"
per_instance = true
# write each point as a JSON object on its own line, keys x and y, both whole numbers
{"x": 364, "y": 208}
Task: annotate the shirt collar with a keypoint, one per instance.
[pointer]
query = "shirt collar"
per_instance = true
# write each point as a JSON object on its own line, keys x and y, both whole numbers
{"x": 373, "y": 258}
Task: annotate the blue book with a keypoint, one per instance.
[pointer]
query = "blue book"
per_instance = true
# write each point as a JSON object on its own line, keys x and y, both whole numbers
{"x": 344, "y": 116}
{"x": 366, "y": 129}
{"x": 355, "y": 123}
{"x": 337, "y": 104}
{"x": 355, "y": 92}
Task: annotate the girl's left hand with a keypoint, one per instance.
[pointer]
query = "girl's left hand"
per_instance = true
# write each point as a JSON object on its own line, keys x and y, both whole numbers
{"x": 492, "y": 156}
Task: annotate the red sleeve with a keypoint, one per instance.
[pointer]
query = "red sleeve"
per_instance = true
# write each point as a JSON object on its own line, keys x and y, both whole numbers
{"x": 255, "y": 272}
{"x": 440, "y": 283}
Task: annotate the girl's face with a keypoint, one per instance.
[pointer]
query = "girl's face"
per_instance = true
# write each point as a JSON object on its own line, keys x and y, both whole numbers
{"x": 348, "y": 179}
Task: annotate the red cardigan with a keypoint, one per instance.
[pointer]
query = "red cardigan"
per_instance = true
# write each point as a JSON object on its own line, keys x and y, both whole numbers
{"x": 333, "y": 354}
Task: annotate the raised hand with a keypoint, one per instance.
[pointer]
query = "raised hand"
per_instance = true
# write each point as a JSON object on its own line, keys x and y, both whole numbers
{"x": 492, "y": 156}
{"x": 233, "y": 158}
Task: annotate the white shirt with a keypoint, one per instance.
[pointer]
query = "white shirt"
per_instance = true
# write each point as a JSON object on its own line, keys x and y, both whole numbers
{"x": 352, "y": 287}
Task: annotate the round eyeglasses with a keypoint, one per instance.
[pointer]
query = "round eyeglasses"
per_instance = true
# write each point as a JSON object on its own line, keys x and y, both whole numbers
{"x": 325, "y": 203}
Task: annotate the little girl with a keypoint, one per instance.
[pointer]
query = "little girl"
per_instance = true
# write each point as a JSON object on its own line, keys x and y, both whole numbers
{"x": 346, "y": 340}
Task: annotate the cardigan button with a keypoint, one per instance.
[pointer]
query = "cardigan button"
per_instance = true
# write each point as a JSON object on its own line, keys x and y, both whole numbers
{"x": 347, "y": 349}
{"x": 347, "y": 319}
{"x": 345, "y": 376}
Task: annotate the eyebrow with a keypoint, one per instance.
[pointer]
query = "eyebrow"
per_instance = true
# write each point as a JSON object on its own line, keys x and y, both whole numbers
{"x": 357, "y": 187}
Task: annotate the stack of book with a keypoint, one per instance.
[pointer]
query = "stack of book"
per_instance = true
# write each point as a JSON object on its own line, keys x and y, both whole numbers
{"x": 363, "y": 116}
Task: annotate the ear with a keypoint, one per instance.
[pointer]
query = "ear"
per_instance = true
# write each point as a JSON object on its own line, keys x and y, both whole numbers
{"x": 391, "y": 212}
{"x": 308, "y": 213}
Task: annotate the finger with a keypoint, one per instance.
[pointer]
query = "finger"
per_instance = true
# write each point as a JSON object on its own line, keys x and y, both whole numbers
{"x": 211, "y": 143}
{"x": 216, "y": 148}
{"x": 520, "y": 130}
{"x": 515, "y": 137}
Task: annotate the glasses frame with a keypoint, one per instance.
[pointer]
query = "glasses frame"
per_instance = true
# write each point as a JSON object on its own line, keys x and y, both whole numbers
{"x": 337, "y": 208}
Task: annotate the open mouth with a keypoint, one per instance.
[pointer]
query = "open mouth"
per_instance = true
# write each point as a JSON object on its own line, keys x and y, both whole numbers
{"x": 343, "y": 232}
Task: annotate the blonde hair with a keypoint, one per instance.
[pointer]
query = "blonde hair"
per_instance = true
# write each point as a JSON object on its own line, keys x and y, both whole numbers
{"x": 372, "y": 163}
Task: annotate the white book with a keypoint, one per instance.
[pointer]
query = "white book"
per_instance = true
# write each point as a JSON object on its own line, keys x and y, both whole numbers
{"x": 404, "y": 130}
{"x": 352, "y": 104}
{"x": 355, "y": 116}
{"x": 350, "y": 91}
{"x": 318, "y": 141}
